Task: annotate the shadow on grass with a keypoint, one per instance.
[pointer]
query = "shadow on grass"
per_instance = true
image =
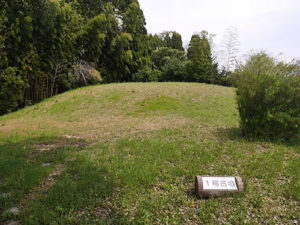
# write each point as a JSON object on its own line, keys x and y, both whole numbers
{"x": 25, "y": 164}
{"x": 227, "y": 134}
{"x": 75, "y": 197}
{"x": 75, "y": 193}
{"x": 235, "y": 134}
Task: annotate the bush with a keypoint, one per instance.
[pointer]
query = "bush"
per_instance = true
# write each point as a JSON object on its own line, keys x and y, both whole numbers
{"x": 147, "y": 74}
{"x": 83, "y": 74}
{"x": 268, "y": 97}
{"x": 173, "y": 70}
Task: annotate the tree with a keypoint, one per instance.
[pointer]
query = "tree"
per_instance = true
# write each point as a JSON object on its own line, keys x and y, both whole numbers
{"x": 3, "y": 34}
{"x": 176, "y": 41}
{"x": 154, "y": 42}
{"x": 46, "y": 41}
{"x": 147, "y": 74}
{"x": 93, "y": 38}
{"x": 88, "y": 8}
{"x": 134, "y": 24}
{"x": 173, "y": 69}
{"x": 200, "y": 61}
{"x": 11, "y": 86}
{"x": 170, "y": 62}
{"x": 230, "y": 45}
{"x": 171, "y": 39}
{"x": 121, "y": 59}
{"x": 161, "y": 55}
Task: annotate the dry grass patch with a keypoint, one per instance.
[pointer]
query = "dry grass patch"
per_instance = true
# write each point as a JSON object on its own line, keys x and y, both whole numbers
{"x": 106, "y": 128}
{"x": 69, "y": 140}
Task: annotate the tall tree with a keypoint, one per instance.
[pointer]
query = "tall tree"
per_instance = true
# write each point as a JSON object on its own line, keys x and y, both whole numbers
{"x": 93, "y": 38}
{"x": 11, "y": 86}
{"x": 171, "y": 39}
{"x": 134, "y": 24}
{"x": 88, "y": 8}
{"x": 53, "y": 45}
{"x": 3, "y": 34}
{"x": 230, "y": 45}
{"x": 154, "y": 42}
{"x": 200, "y": 62}
{"x": 177, "y": 41}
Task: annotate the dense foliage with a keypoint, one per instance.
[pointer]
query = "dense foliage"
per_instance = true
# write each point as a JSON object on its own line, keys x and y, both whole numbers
{"x": 268, "y": 96}
{"x": 51, "y": 46}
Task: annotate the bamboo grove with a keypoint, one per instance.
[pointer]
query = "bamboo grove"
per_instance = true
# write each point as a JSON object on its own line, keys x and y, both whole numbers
{"x": 51, "y": 46}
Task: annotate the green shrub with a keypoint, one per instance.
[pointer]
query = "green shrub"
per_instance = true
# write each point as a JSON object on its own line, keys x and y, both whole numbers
{"x": 268, "y": 97}
{"x": 147, "y": 74}
{"x": 173, "y": 70}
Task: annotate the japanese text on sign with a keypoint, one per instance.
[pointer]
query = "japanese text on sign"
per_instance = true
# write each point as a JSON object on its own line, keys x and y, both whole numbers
{"x": 219, "y": 183}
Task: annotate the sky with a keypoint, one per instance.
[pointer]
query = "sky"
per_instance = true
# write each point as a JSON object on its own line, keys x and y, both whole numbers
{"x": 271, "y": 25}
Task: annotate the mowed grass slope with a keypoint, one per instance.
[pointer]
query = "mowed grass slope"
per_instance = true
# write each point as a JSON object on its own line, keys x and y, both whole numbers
{"x": 128, "y": 154}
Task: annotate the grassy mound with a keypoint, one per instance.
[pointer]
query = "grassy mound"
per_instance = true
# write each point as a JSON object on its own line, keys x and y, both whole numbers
{"x": 128, "y": 154}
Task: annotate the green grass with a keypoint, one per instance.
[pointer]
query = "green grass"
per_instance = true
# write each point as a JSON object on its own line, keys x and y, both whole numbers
{"x": 128, "y": 154}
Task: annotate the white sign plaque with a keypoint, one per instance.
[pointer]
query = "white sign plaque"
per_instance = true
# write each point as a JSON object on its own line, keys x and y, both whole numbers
{"x": 219, "y": 183}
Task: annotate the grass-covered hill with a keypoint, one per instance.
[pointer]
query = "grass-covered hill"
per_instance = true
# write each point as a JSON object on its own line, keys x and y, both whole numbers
{"x": 128, "y": 154}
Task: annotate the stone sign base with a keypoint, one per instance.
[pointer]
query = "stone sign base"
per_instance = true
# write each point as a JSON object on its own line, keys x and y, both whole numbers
{"x": 207, "y": 186}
